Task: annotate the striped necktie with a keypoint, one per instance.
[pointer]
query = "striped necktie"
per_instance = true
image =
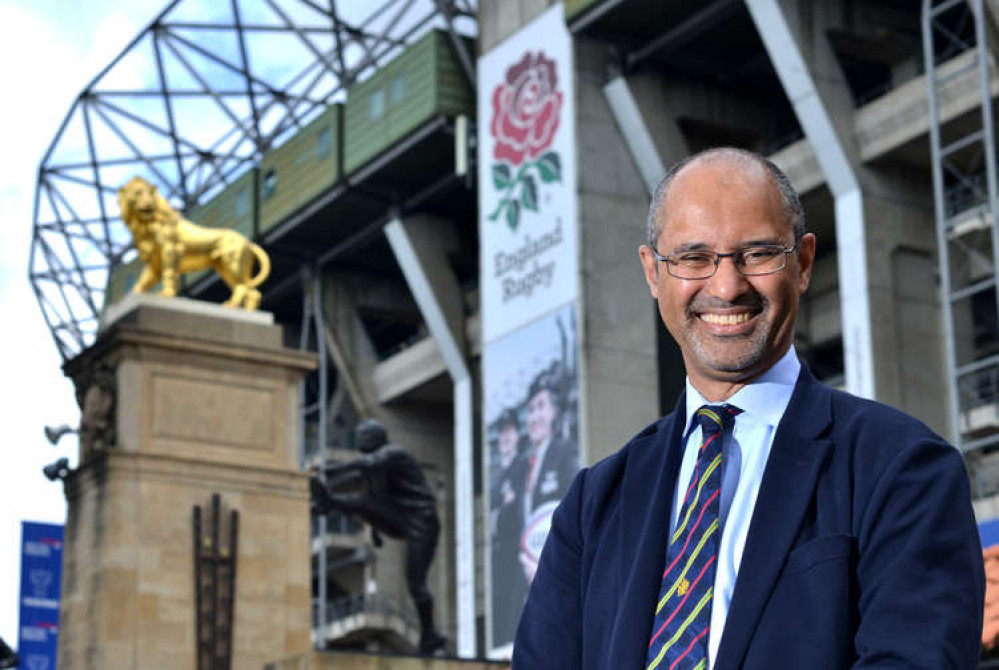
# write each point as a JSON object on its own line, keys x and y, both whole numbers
{"x": 679, "y": 638}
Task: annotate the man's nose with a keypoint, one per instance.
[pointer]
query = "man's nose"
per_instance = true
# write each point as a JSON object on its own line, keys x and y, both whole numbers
{"x": 727, "y": 283}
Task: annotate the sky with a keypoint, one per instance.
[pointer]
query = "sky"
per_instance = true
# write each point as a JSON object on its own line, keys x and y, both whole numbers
{"x": 51, "y": 49}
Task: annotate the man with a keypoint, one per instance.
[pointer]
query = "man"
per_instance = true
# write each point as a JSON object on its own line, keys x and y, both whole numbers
{"x": 506, "y": 513}
{"x": 836, "y": 532}
{"x": 551, "y": 463}
{"x": 398, "y": 502}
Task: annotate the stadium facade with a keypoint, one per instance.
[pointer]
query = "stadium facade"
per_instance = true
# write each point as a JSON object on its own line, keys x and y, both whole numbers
{"x": 384, "y": 197}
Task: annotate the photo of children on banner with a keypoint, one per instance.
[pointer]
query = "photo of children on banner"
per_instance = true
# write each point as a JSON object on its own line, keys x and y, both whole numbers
{"x": 533, "y": 457}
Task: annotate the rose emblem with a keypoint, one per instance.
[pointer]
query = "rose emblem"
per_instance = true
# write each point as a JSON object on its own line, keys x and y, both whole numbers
{"x": 526, "y": 109}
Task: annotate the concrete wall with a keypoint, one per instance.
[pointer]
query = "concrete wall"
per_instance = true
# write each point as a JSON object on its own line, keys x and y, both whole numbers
{"x": 498, "y": 19}
{"x": 619, "y": 318}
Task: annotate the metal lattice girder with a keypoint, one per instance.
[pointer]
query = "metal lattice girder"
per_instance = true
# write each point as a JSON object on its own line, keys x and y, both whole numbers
{"x": 190, "y": 104}
{"x": 965, "y": 193}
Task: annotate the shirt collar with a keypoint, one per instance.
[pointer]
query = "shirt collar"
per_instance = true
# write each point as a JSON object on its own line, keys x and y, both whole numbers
{"x": 765, "y": 398}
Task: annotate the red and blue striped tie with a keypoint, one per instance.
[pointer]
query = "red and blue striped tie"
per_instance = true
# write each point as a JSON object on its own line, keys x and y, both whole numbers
{"x": 679, "y": 639}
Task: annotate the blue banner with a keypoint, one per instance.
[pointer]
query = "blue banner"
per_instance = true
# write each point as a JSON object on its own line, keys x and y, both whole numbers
{"x": 989, "y": 532}
{"x": 41, "y": 577}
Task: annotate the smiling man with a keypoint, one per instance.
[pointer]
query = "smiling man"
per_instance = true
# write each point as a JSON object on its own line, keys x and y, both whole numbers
{"x": 768, "y": 521}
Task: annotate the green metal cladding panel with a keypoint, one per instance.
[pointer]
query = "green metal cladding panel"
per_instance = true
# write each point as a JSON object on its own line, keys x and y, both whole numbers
{"x": 574, "y": 8}
{"x": 423, "y": 81}
{"x": 235, "y": 207}
{"x": 120, "y": 282}
{"x": 296, "y": 172}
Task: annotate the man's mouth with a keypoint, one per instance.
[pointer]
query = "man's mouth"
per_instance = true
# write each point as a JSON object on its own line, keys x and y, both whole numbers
{"x": 725, "y": 319}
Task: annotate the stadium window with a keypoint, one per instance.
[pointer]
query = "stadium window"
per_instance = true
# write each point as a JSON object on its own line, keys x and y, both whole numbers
{"x": 269, "y": 185}
{"x": 242, "y": 203}
{"x": 376, "y": 104}
{"x": 398, "y": 89}
{"x": 324, "y": 143}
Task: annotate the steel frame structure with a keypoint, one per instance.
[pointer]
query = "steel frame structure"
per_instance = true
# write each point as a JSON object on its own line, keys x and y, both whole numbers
{"x": 963, "y": 161}
{"x": 191, "y": 103}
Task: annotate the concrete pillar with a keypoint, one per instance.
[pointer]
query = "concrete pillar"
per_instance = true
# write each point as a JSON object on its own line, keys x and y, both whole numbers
{"x": 619, "y": 320}
{"x": 898, "y": 244}
{"x": 421, "y": 248}
{"x": 498, "y": 19}
{"x": 423, "y": 427}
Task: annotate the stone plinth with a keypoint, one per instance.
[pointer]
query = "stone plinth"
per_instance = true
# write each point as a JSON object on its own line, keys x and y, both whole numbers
{"x": 334, "y": 660}
{"x": 204, "y": 402}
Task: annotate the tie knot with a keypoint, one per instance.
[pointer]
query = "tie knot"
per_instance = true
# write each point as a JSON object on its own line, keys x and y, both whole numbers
{"x": 716, "y": 418}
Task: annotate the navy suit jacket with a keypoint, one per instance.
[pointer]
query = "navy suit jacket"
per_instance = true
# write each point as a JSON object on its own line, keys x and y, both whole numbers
{"x": 862, "y": 550}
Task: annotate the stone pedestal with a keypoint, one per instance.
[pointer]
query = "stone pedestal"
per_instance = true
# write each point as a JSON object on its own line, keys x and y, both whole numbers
{"x": 202, "y": 400}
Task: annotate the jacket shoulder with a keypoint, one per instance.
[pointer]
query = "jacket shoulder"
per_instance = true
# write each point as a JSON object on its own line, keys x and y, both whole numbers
{"x": 871, "y": 421}
{"x": 600, "y": 483}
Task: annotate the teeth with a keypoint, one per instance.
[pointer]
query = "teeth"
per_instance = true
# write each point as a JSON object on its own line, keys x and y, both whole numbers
{"x": 726, "y": 319}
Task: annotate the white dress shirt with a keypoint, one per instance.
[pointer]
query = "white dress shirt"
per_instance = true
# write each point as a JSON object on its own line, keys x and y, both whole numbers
{"x": 744, "y": 459}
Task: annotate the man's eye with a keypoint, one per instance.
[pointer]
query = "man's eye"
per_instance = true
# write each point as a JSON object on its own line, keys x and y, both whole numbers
{"x": 758, "y": 254}
{"x": 695, "y": 259}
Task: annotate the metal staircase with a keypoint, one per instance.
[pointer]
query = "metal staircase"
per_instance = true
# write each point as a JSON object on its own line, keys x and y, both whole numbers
{"x": 963, "y": 157}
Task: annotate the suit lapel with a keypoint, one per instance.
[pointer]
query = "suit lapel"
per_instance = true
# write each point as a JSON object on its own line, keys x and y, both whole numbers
{"x": 796, "y": 457}
{"x": 647, "y": 489}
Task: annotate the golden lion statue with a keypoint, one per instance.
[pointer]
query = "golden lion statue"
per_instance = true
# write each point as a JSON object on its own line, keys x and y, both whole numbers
{"x": 170, "y": 245}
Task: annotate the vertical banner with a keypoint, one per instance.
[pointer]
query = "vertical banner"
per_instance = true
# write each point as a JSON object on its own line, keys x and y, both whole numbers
{"x": 41, "y": 577}
{"x": 527, "y": 176}
{"x": 529, "y": 278}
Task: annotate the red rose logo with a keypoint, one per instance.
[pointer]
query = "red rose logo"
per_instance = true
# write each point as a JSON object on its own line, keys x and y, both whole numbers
{"x": 526, "y": 109}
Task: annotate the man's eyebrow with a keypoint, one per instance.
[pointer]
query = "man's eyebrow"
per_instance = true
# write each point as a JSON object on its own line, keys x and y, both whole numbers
{"x": 766, "y": 241}
{"x": 701, "y": 246}
{"x": 690, "y": 246}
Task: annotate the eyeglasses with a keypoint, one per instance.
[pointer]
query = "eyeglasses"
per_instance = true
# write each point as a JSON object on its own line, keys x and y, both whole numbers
{"x": 762, "y": 259}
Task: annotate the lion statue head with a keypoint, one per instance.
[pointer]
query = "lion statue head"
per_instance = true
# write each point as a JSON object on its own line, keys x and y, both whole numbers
{"x": 142, "y": 205}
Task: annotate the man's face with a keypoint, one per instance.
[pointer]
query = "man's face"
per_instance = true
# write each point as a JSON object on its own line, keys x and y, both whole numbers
{"x": 540, "y": 416}
{"x": 730, "y": 328}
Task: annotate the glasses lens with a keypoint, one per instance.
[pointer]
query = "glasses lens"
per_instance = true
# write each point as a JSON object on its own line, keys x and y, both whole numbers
{"x": 762, "y": 260}
{"x": 693, "y": 264}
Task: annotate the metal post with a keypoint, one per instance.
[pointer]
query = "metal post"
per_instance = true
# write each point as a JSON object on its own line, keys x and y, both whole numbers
{"x": 320, "y": 326}
{"x": 941, "y": 220}
{"x": 634, "y": 131}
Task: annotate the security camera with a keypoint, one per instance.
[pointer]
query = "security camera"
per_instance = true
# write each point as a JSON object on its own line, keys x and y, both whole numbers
{"x": 54, "y": 433}
{"x": 57, "y": 470}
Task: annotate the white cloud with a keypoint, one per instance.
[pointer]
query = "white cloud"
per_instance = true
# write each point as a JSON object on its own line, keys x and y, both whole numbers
{"x": 53, "y": 48}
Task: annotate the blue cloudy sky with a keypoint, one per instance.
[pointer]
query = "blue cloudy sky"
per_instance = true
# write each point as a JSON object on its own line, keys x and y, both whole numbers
{"x": 50, "y": 50}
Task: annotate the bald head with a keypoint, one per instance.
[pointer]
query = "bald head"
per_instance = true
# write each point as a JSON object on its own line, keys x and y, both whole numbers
{"x": 746, "y": 164}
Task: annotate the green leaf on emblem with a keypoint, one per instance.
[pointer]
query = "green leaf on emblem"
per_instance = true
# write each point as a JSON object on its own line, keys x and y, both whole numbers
{"x": 513, "y": 214}
{"x": 501, "y": 176}
{"x": 550, "y": 167}
{"x": 529, "y": 194}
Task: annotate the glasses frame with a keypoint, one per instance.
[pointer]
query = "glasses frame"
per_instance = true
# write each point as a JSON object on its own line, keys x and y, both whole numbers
{"x": 668, "y": 260}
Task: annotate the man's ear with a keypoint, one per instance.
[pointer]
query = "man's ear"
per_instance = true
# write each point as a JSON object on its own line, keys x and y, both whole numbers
{"x": 806, "y": 261}
{"x": 650, "y": 266}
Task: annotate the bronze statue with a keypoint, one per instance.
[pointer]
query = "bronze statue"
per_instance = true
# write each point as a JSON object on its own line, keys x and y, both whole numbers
{"x": 397, "y": 502}
{"x": 170, "y": 245}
